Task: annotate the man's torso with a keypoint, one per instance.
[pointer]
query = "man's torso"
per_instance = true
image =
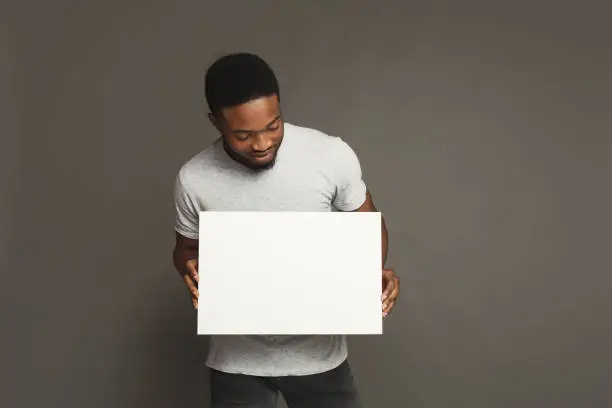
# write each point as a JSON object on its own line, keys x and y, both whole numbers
{"x": 300, "y": 180}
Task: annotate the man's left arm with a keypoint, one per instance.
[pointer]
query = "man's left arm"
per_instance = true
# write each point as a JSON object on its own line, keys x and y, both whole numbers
{"x": 368, "y": 206}
{"x": 353, "y": 195}
{"x": 390, "y": 279}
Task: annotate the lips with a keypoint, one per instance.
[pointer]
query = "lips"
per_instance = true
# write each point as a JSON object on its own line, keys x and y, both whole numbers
{"x": 263, "y": 155}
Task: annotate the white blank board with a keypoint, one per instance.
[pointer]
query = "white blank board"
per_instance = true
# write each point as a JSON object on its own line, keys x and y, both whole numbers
{"x": 290, "y": 273}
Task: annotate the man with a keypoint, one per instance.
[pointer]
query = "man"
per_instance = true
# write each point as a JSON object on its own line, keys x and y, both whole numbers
{"x": 262, "y": 163}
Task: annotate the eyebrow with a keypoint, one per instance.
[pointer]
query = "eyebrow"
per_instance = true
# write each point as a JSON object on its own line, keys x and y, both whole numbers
{"x": 250, "y": 131}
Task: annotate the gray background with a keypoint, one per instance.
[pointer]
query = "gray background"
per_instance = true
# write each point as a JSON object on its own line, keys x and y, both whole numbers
{"x": 484, "y": 132}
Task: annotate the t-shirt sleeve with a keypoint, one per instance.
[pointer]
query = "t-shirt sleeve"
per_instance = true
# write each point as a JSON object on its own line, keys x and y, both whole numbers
{"x": 350, "y": 188}
{"x": 187, "y": 211}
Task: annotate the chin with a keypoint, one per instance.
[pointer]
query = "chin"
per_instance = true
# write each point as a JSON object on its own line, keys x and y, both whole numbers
{"x": 262, "y": 165}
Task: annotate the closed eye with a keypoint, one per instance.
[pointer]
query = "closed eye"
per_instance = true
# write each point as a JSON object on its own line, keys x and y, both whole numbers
{"x": 274, "y": 125}
{"x": 242, "y": 136}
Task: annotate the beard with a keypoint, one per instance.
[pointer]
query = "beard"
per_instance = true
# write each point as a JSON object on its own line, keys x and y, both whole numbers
{"x": 263, "y": 167}
{"x": 248, "y": 161}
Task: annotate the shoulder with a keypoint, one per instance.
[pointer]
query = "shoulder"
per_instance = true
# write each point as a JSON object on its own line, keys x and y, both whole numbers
{"x": 199, "y": 166}
{"x": 325, "y": 145}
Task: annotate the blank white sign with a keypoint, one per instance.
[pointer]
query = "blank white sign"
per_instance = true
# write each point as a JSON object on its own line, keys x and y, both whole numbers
{"x": 290, "y": 273}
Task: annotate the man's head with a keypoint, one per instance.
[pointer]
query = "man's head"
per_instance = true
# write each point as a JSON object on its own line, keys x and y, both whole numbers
{"x": 243, "y": 97}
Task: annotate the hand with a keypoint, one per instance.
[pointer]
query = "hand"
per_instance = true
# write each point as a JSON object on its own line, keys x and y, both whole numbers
{"x": 191, "y": 279}
{"x": 391, "y": 287}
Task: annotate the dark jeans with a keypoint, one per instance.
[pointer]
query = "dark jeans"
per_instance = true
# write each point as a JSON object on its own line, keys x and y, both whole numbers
{"x": 331, "y": 389}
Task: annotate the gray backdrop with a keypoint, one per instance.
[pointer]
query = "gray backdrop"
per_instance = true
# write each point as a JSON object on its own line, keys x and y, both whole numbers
{"x": 484, "y": 133}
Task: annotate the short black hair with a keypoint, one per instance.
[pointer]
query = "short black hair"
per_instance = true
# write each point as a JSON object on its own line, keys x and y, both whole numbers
{"x": 238, "y": 78}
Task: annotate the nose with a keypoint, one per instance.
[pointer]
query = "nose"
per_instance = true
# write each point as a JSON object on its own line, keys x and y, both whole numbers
{"x": 261, "y": 143}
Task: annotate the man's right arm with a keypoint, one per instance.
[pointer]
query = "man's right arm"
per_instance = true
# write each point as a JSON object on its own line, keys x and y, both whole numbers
{"x": 185, "y": 253}
{"x": 185, "y": 256}
{"x": 186, "y": 225}
{"x": 185, "y": 249}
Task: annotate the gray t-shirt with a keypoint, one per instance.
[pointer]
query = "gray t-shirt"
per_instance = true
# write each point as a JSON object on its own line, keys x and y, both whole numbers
{"x": 313, "y": 172}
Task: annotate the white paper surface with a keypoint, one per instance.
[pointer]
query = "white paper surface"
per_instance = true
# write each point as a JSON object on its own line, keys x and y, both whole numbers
{"x": 290, "y": 273}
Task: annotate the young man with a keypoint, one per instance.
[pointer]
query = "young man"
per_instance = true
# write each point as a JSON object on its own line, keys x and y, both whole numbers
{"x": 261, "y": 163}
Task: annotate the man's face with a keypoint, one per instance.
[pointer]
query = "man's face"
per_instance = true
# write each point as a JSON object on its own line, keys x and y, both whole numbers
{"x": 252, "y": 132}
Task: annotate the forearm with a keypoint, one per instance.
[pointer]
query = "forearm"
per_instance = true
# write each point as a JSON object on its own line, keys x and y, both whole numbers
{"x": 385, "y": 242}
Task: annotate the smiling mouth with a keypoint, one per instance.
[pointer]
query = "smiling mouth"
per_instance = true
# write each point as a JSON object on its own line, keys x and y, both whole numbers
{"x": 262, "y": 155}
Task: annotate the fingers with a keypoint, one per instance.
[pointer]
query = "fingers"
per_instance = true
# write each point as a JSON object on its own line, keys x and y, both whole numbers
{"x": 195, "y": 294}
{"x": 192, "y": 267}
{"x": 388, "y": 283}
{"x": 387, "y": 305}
{"x": 390, "y": 301}
{"x": 387, "y": 289}
{"x": 391, "y": 291}
{"x": 191, "y": 286}
{"x": 396, "y": 288}
{"x": 191, "y": 278}
{"x": 388, "y": 309}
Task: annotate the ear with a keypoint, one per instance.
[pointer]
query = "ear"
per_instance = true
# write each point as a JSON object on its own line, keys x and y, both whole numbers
{"x": 213, "y": 120}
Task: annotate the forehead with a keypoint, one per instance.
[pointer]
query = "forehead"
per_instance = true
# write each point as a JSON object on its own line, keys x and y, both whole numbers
{"x": 252, "y": 115}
